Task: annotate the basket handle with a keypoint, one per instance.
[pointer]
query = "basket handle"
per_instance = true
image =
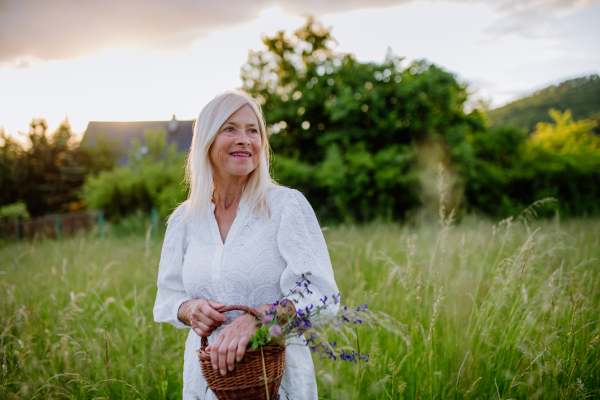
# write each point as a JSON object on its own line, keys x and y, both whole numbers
{"x": 225, "y": 309}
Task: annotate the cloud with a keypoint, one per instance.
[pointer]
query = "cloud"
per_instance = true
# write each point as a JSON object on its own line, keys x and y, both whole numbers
{"x": 533, "y": 18}
{"x": 61, "y": 29}
{"x": 42, "y": 30}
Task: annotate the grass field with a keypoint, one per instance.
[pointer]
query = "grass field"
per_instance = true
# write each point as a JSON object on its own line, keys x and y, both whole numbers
{"x": 509, "y": 310}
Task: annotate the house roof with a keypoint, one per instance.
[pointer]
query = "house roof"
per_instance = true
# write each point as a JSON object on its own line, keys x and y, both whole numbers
{"x": 123, "y": 133}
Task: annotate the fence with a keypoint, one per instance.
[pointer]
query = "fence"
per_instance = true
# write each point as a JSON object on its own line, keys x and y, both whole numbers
{"x": 59, "y": 225}
{"x": 53, "y": 226}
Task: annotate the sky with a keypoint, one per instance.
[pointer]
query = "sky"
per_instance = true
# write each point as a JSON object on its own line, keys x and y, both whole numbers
{"x": 115, "y": 60}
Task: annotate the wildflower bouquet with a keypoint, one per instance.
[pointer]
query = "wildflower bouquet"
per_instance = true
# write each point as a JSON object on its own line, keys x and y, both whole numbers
{"x": 315, "y": 321}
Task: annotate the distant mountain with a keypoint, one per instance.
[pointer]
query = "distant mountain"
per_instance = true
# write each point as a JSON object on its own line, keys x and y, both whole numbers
{"x": 580, "y": 95}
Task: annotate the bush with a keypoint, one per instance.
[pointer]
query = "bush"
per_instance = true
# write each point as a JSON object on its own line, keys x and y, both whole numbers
{"x": 560, "y": 160}
{"x": 14, "y": 212}
{"x": 149, "y": 180}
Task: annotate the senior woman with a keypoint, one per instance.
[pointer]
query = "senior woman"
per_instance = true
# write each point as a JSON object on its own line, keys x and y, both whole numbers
{"x": 239, "y": 239}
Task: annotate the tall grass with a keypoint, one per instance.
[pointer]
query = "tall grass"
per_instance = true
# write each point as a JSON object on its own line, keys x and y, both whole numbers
{"x": 505, "y": 310}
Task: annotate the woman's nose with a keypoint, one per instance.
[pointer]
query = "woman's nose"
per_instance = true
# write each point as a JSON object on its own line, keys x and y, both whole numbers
{"x": 242, "y": 139}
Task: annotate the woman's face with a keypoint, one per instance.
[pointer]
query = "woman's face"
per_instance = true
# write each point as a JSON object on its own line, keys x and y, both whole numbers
{"x": 236, "y": 149}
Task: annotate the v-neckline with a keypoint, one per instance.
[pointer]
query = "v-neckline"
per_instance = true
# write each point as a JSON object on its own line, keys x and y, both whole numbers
{"x": 239, "y": 215}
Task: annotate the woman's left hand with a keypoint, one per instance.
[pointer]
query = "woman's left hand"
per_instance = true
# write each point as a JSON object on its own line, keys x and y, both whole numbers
{"x": 231, "y": 343}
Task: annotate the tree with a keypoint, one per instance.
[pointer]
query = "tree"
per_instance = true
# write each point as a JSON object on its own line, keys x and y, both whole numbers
{"x": 102, "y": 155}
{"x": 47, "y": 174}
{"x": 514, "y": 169}
{"x": 348, "y": 133}
{"x": 152, "y": 178}
{"x": 11, "y": 172}
{"x": 566, "y": 136}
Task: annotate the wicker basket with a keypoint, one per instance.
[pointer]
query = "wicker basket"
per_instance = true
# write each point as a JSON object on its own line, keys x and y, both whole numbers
{"x": 246, "y": 381}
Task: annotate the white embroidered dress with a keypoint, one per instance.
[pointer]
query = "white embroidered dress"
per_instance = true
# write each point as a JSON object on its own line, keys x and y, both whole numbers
{"x": 260, "y": 261}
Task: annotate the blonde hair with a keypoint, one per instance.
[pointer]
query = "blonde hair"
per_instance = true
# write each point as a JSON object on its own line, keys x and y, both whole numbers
{"x": 199, "y": 174}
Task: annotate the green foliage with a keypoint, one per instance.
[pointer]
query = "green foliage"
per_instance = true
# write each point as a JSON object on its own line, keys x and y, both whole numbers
{"x": 260, "y": 338}
{"x": 101, "y": 156}
{"x": 560, "y": 160}
{"x": 152, "y": 178}
{"x": 346, "y": 132}
{"x": 486, "y": 304}
{"x": 566, "y": 136}
{"x": 581, "y": 96}
{"x": 364, "y": 141}
{"x": 46, "y": 175}
{"x": 14, "y": 212}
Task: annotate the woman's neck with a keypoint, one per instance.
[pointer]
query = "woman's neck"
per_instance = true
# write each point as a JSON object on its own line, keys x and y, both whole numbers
{"x": 228, "y": 192}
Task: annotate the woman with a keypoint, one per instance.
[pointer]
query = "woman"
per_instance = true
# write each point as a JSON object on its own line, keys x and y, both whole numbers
{"x": 238, "y": 239}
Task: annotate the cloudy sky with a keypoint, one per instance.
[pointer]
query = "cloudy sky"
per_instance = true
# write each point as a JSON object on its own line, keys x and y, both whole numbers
{"x": 125, "y": 60}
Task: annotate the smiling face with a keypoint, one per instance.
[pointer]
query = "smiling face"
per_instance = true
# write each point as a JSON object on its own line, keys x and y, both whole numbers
{"x": 235, "y": 151}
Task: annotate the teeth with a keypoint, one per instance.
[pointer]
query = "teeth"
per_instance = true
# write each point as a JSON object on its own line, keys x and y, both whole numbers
{"x": 240, "y": 154}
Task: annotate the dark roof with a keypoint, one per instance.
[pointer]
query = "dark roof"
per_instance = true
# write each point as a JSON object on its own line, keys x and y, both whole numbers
{"x": 123, "y": 133}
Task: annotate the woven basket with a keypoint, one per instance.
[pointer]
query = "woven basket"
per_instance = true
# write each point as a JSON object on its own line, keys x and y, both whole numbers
{"x": 246, "y": 381}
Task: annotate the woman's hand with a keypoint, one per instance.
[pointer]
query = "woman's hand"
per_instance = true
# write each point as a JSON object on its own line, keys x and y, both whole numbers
{"x": 202, "y": 315}
{"x": 231, "y": 344}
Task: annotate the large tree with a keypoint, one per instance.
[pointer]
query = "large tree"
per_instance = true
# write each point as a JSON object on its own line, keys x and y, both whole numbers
{"x": 46, "y": 174}
{"x": 349, "y": 133}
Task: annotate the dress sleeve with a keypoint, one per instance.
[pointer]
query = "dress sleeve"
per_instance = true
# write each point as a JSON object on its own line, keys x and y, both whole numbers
{"x": 302, "y": 246}
{"x": 171, "y": 293}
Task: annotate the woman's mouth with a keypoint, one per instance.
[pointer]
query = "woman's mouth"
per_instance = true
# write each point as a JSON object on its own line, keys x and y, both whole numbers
{"x": 240, "y": 154}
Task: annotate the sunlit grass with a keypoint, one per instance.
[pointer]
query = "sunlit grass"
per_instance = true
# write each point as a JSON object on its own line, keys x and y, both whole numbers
{"x": 516, "y": 315}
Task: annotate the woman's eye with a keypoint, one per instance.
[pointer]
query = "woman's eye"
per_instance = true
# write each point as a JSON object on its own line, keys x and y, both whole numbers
{"x": 254, "y": 131}
{"x": 229, "y": 129}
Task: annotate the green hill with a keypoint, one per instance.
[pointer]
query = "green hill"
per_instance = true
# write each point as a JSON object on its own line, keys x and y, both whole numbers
{"x": 580, "y": 95}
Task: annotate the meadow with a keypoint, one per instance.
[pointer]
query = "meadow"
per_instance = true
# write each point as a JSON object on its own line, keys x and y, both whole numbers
{"x": 493, "y": 310}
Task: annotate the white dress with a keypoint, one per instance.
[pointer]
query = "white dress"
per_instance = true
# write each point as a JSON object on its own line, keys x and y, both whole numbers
{"x": 260, "y": 261}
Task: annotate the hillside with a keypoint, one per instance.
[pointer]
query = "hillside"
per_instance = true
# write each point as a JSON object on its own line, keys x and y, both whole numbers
{"x": 580, "y": 95}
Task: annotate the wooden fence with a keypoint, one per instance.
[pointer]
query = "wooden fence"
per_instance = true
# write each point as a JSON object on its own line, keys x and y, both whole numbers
{"x": 53, "y": 226}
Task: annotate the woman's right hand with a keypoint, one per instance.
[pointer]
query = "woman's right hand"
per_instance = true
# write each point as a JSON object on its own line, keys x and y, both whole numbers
{"x": 202, "y": 315}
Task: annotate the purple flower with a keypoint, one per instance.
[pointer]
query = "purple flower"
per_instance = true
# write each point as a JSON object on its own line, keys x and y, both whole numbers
{"x": 275, "y": 330}
{"x": 266, "y": 319}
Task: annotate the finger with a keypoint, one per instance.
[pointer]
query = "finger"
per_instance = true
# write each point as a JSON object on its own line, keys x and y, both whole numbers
{"x": 222, "y": 351}
{"x": 216, "y": 305}
{"x": 206, "y": 333}
{"x": 214, "y": 355}
{"x": 200, "y": 332}
{"x": 213, "y": 314}
{"x": 231, "y": 352}
{"x": 208, "y": 321}
{"x": 241, "y": 349}
{"x": 203, "y": 327}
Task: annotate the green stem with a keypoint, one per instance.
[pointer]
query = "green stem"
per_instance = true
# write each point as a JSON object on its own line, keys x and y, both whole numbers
{"x": 264, "y": 372}
{"x": 359, "y": 362}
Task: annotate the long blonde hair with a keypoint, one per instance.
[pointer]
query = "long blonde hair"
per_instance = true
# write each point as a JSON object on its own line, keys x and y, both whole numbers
{"x": 199, "y": 174}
